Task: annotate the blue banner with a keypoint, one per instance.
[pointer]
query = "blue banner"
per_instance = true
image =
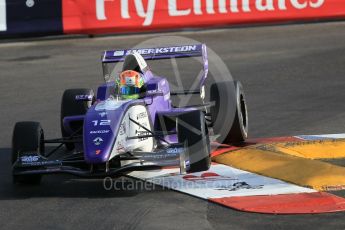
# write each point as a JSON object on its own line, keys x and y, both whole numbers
{"x": 30, "y": 17}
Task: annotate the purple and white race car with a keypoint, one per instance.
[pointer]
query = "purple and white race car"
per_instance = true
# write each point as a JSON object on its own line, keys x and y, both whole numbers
{"x": 106, "y": 135}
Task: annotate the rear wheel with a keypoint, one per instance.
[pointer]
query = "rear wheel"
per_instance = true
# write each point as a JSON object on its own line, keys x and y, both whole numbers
{"x": 192, "y": 130}
{"x": 229, "y": 114}
{"x": 27, "y": 137}
{"x": 71, "y": 107}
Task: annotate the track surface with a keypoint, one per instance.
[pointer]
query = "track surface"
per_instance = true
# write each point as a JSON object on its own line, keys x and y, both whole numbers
{"x": 294, "y": 77}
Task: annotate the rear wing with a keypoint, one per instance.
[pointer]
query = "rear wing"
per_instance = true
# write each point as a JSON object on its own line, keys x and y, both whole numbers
{"x": 184, "y": 51}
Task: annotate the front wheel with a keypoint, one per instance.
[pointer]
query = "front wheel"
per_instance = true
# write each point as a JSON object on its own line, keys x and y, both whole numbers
{"x": 192, "y": 130}
{"x": 71, "y": 107}
{"x": 229, "y": 113}
{"x": 27, "y": 137}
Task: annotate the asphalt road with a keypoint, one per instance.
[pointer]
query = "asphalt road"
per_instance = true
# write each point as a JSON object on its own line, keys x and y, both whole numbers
{"x": 294, "y": 77}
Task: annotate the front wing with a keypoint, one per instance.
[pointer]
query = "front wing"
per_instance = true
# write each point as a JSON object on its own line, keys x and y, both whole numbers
{"x": 33, "y": 163}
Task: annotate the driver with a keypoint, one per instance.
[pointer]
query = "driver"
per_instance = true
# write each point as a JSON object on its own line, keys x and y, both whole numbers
{"x": 130, "y": 84}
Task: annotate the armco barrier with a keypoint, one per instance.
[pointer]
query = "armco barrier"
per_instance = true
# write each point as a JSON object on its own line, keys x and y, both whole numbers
{"x": 115, "y": 16}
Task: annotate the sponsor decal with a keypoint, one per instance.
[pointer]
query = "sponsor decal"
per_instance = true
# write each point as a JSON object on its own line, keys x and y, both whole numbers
{"x": 142, "y": 133}
{"x": 221, "y": 183}
{"x": 207, "y": 176}
{"x": 175, "y": 150}
{"x": 120, "y": 146}
{"x": 165, "y": 50}
{"x": 130, "y": 129}
{"x": 233, "y": 184}
{"x": 122, "y": 129}
{"x": 119, "y": 53}
{"x": 142, "y": 115}
{"x": 29, "y": 159}
{"x": 83, "y": 97}
{"x": 162, "y": 51}
{"x": 98, "y": 141}
{"x": 238, "y": 186}
{"x": 155, "y": 156}
{"x": 178, "y": 8}
{"x": 36, "y": 160}
{"x": 219, "y": 180}
{"x": 3, "y": 17}
{"x": 133, "y": 15}
{"x": 100, "y": 132}
{"x": 98, "y": 152}
{"x": 152, "y": 91}
{"x": 103, "y": 114}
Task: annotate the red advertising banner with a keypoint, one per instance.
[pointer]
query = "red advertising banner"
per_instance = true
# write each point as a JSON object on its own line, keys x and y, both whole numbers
{"x": 109, "y": 16}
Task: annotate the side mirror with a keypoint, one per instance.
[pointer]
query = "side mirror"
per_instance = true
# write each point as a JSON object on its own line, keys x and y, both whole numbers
{"x": 153, "y": 93}
{"x": 84, "y": 97}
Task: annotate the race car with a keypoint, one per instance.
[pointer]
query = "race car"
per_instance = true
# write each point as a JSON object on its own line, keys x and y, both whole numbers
{"x": 125, "y": 128}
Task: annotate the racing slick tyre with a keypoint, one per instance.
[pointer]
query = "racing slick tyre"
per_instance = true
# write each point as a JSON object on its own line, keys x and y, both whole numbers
{"x": 71, "y": 107}
{"x": 27, "y": 137}
{"x": 192, "y": 130}
{"x": 230, "y": 110}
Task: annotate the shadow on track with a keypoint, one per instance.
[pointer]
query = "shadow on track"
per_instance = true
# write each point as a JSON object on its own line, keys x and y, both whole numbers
{"x": 67, "y": 186}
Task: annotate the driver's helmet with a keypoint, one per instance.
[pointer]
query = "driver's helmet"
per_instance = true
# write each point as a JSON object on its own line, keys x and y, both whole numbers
{"x": 130, "y": 84}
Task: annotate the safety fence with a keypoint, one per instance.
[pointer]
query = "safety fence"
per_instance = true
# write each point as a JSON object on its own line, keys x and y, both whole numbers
{"x": 48, "y": 17}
